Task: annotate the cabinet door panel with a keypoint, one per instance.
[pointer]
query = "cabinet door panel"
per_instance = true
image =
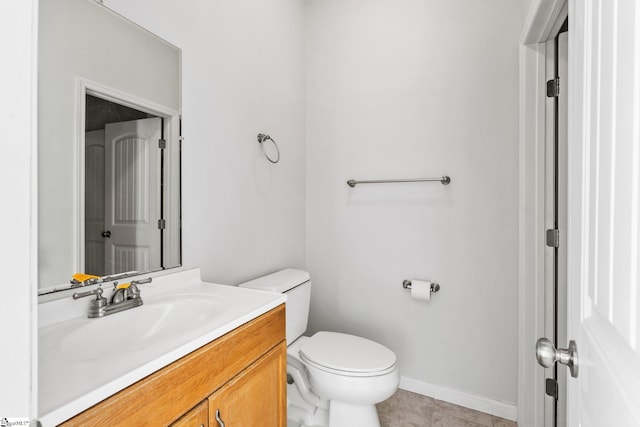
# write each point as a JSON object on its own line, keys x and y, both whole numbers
{"x": 197, "y": 417}
{"x": 256, "y": 397}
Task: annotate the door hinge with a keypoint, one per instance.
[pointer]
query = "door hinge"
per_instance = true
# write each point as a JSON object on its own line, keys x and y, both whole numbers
{"x": 162, "y": 224}
{"x": 162, "y": 143}
{"x": 551, "y": 388}
{"x": 553, "y": 87}
{"x": 553, "y": 238}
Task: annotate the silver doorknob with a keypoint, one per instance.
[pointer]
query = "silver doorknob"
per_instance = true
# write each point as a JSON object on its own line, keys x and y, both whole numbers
{"x": 547, "y": 355}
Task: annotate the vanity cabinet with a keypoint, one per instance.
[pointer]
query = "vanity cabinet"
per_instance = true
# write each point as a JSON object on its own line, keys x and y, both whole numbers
{"x": 250, "y": 399}
{"x": 197, "y": 417}
{"x": 241, "y": 376}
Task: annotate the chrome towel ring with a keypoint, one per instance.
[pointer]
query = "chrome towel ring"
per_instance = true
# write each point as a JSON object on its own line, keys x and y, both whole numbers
{"x": 262, "y": 138}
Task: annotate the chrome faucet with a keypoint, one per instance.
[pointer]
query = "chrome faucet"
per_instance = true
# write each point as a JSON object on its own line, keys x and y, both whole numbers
{"x": 124, "y": 297}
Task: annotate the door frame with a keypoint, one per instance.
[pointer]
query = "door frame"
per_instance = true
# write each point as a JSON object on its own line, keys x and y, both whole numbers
{"x": 171, "y": 191}
{"x": 556, "y": 218}
{"x": 542, "y": 24}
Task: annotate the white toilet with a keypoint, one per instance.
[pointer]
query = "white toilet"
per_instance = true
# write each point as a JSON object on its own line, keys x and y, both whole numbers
{"x": 334, "y": 379}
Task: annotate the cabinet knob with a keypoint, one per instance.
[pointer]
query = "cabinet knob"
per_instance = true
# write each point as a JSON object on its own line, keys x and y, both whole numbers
{"x": 218, "y": 419}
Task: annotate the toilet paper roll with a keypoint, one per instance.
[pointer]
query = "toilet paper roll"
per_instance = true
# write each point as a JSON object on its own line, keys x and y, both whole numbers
{"x": 421, "y": 290}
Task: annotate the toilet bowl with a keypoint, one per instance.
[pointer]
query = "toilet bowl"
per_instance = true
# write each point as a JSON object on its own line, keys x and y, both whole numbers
{"x": 349, "y": 368}
{"x": 335, "y": 379}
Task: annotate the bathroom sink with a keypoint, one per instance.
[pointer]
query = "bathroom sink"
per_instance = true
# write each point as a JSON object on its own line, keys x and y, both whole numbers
{"x": 83, "y": 361}
{"x": 160, "y": 319}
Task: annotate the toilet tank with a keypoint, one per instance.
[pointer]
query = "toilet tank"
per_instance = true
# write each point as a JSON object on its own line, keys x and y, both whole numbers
{"x": 296, "y": 285}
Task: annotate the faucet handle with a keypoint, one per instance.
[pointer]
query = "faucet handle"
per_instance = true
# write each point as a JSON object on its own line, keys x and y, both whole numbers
{"x": 127, "y": 291}
{"x": 134, "y": 292}
{"x": 98, "y": 305}
{"x": 97, "y": 292}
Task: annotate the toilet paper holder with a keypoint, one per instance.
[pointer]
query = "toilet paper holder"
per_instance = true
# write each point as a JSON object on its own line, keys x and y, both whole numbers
{"x": 406, "y": 284}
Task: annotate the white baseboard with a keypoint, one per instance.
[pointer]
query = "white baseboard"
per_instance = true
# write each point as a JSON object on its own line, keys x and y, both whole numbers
{"x": 494, "y": 407}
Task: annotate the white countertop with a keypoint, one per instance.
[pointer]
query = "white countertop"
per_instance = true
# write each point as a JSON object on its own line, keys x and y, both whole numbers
{"x": 72, "y": 380}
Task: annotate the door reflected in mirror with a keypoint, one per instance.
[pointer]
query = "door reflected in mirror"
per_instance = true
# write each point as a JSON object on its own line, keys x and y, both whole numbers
{"x": 123, "y": 182}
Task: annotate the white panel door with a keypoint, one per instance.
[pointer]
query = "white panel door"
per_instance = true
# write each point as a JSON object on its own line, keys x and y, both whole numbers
{"x": 604, "y": 212}
{"x": 132, "y": 186}
{"x": 94, "y": 203}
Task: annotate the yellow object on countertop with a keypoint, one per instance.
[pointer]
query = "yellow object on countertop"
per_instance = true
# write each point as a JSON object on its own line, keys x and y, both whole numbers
{"x": 81, "y": 277}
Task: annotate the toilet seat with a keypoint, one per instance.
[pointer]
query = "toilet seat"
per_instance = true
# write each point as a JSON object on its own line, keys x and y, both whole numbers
{"x": 347, "y": 355}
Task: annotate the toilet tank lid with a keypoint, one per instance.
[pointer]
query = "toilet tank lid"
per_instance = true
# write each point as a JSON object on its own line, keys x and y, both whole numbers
{"x": 280, "y": 281}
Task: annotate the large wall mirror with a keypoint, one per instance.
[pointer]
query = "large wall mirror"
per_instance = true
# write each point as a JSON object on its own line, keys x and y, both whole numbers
{"x": 108, "y": 145}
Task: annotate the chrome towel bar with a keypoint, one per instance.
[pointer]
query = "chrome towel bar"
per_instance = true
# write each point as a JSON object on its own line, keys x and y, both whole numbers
{"x": 444, "y": 180}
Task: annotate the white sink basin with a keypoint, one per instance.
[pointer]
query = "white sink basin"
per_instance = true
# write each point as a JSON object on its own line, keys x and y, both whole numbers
{"x": 161, "y": 318}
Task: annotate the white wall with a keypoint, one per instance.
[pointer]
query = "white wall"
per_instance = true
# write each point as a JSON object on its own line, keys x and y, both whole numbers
{"x": 526, "y": 6}
{"x": 243, "y": 73}
{"x": 416, "y": 88}
{"x": 18, "y": 262}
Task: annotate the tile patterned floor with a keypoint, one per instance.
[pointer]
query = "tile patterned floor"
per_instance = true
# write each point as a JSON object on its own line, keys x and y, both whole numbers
{"x": 407, "y": 409}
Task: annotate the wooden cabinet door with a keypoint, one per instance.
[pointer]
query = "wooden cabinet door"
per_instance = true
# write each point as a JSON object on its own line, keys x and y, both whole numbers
{"x": 256, "y": 397}
{"x": 197, "y": 417}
